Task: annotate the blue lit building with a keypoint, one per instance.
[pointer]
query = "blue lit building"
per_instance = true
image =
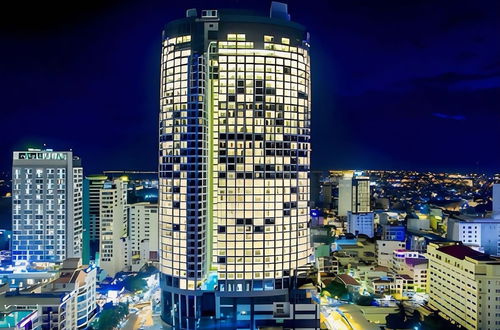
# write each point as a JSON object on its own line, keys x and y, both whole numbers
{"x": 46, "y": 206}
{"x": 393, "y": 232}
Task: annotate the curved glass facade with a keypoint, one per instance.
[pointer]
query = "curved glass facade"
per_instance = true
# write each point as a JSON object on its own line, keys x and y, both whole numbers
{"x": 234, "y": 161}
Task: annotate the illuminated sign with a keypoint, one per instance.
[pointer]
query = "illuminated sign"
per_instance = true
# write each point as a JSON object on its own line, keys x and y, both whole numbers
{"x": 42, "y": 155}
{"x": 314, "y": 213}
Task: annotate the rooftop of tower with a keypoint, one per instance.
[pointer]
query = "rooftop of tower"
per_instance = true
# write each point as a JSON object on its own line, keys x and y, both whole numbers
{"x": 278, "y": 16}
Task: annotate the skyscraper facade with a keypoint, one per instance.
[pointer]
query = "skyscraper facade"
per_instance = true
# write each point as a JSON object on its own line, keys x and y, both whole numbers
{"x": 46, "y": 206}
{"x": 234, "y": 161}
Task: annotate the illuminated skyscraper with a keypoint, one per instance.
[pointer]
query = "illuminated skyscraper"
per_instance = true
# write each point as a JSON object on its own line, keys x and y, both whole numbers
{"x": 234, "y": 162}
{"x": 46, "y": 206}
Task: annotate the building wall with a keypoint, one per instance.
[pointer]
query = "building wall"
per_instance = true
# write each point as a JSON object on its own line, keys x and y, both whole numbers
{"x": 385, "y": 251}
{"x": 480, "y": 234}
{"x": 143, "y": 233}
{"x": 394, "y": 233}
{"x": 360, "y": 223}
{"x": 496, "y": 199}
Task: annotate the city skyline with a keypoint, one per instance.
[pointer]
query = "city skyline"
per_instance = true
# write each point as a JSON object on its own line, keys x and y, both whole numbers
{"x": 414, "y": 87}
{"x": 316, "y": 165}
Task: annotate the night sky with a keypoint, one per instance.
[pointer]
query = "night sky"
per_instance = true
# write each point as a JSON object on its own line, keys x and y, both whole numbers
{"x": 397, "y": 84}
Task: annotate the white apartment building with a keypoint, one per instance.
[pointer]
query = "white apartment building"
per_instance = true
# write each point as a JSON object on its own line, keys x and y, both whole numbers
{"x": 113, "y": 227}
{"x": 360, "y": 223}
{"x": 412, "y": 264}
{"x": 142, "y": 243}
{"x": 385, "y": 250}
{"x": 481, "y": 234}
{"x": 46, "y": 206}
{"x": 464, "y": 285}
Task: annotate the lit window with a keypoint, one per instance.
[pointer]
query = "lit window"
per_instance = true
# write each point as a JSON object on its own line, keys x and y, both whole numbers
{"x": 231, "y": 37}
{"x": 285, "y": 41}
{"x": 268, "y": 38}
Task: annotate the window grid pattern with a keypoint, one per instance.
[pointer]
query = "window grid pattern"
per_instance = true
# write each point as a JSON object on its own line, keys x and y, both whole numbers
{"x": 260, "y": 160}
{"x": 183, "y": 165}
{"x": 261, "y": 164}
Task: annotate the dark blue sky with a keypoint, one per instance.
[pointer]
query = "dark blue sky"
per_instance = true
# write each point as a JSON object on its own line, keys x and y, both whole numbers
{"x": 396, "y": 84}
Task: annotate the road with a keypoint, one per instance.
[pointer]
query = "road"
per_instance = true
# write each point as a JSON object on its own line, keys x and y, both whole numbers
{"x": 140, "y": 319}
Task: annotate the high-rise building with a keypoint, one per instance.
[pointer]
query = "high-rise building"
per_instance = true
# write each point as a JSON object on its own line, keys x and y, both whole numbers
{"x": 234, "y": 163}
{"x": 464, "y": 285}
{"x": 92, "y": 186}
{"x": 142, "y": 244}
{"x": 113, "y": 227}
{"x": 315, "y": 188}
{"x": 46, "y": 206}
{"x": 354, "y": 194}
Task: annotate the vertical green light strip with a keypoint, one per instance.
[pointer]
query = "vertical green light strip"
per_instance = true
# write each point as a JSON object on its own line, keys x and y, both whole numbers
{"x": 209, "y": 84}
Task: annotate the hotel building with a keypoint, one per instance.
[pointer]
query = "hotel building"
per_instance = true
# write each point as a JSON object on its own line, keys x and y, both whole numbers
{"x": 464, "y": 285}
{"x": 234, "y": 161}
{"x": 46, "y": 206}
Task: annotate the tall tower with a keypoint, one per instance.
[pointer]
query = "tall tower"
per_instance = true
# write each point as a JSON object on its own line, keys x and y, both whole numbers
{"x": 234, "y": 162}
{"x": 113, "y": 226}
{"x": 92, "y": 186}
{"x": 46, "y": 206}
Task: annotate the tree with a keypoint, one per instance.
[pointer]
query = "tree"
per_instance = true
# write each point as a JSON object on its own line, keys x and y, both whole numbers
{"x": 336, "y": 289}
{"x": 364, "y": 300}
{"x": 403, "y": 319}
{"x": 135, "y": 283}
{"x": 111, "y": 316}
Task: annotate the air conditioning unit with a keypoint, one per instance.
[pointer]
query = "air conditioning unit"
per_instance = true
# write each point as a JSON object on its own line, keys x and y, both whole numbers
{"x": 281, "y": 309}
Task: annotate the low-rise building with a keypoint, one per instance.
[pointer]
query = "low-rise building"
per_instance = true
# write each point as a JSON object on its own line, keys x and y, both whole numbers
{"x": 328, "y": 264}
{"x": 393, "y": 232}
{"x": 412, "y": 267}
{"x": 360, "y": 223}
{"x": 481, "y": 234}
{"x": 68, "y": 302}
{"x": 350, "y": 283}
{"x": 464, "y": 285}
{"x": 385, "y": 250}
